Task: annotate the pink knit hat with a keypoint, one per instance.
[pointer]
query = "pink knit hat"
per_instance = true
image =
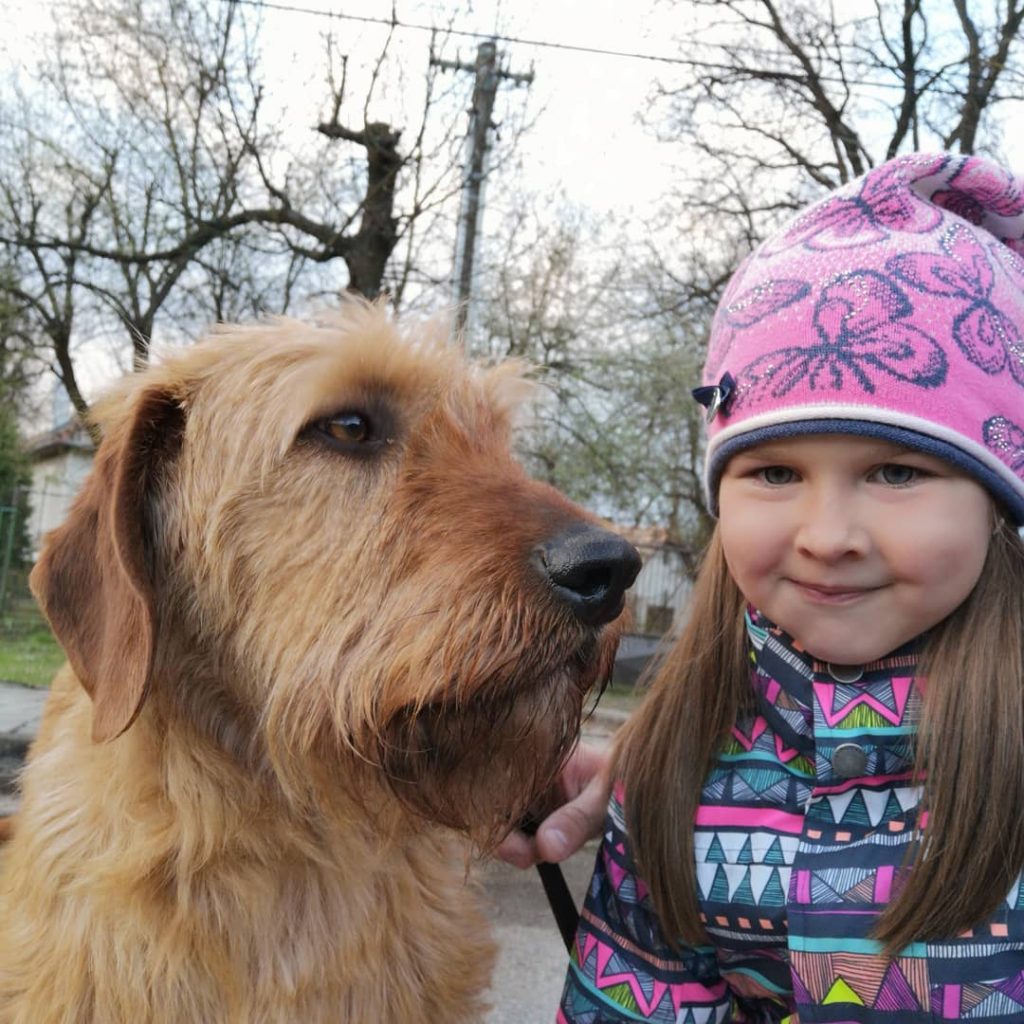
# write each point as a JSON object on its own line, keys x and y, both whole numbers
{"x": 892, "y": 308}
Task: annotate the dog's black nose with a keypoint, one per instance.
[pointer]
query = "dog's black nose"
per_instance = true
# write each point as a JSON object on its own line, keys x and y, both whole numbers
{"x": 590, "y": 569}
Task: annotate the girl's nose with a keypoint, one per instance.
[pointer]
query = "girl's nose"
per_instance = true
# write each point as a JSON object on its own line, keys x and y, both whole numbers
{"x": 830, "y": 527}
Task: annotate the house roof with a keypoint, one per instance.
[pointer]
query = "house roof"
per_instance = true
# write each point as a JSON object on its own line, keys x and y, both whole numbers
{"x": 645, "y": 536}
{"x": 69, "y": 436}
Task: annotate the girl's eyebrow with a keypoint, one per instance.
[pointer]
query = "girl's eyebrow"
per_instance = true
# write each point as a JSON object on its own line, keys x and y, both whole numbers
{"x": 766, "y": 451}
{"x": 781, "y": 452}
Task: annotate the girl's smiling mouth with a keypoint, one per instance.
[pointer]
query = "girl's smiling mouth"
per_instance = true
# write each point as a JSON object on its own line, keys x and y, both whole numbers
{"x": 830, "y": 593}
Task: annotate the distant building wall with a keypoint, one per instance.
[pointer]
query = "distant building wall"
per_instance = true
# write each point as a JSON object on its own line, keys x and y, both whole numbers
{"x": 61, "y": 459}
{"x": 661, "y": 592}
{"x": 55, "y": 482}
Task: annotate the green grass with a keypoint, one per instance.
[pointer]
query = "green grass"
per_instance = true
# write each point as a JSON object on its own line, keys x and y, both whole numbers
{"x": 30, "y": 657}
{"x": 619, "y": 698}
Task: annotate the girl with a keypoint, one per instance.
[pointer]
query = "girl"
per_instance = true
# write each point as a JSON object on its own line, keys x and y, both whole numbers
{"x": 818, "y": 812}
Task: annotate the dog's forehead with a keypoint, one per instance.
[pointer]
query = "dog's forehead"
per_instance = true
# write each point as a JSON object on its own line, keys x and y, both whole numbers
{"x": 278, "y": 377}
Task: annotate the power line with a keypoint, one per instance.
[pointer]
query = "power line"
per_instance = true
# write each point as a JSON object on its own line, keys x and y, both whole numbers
{"x": 393, "y": 22}
{"x": 469, "y": 33}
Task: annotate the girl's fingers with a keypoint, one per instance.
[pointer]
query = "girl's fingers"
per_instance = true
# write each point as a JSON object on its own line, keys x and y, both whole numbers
{"x": 518, "y": 849}
{"x": 565, "y": 830}
{"x": 585, "y": 786}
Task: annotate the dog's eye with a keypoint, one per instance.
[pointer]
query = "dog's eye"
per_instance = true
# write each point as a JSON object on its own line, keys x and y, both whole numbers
{"x": 348, "y": 427}
{"x": 350, "y": 432}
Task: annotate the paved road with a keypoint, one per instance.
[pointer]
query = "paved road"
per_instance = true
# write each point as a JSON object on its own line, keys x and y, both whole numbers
{"x": 531, "y": 961}
{"x": 21, "y": 708}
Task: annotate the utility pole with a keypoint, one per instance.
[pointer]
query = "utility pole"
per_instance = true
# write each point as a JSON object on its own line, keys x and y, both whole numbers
{"x": 488, "y": 75}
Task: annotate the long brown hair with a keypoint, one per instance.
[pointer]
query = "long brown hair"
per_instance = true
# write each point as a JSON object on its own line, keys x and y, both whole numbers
{"x": 970, "y": 748}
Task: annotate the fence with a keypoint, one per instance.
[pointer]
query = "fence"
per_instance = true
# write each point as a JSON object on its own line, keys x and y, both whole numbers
{"x": 22, "y": 525}
{"x": 658, "y": 599}
{"x": 10, "y": 526}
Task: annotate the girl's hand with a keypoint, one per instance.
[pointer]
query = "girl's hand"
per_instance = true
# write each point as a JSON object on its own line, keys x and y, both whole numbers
{"x": 581, "y": 794}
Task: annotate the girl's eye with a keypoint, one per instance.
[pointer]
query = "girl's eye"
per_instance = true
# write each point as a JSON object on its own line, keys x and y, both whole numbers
{"x": 895, "y": 475}
{"x": 776, "y": 475}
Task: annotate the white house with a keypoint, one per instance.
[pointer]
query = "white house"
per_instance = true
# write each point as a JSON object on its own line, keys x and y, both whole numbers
{"x": 661, "y": 592}
{"x": 61, "y": 459}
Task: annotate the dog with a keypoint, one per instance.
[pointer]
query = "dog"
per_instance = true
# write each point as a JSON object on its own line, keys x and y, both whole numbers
{"x": 324, "y": 635}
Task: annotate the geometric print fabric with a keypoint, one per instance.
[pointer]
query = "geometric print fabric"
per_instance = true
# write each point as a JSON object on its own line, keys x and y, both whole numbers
{"x": 794, "y": 863}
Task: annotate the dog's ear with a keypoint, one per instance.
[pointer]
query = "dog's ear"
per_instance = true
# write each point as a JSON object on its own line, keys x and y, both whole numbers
{"x": 93, "y": 579}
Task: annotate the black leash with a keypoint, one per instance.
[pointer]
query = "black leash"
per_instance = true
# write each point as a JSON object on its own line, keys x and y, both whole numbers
{"x": 563, "y": 906}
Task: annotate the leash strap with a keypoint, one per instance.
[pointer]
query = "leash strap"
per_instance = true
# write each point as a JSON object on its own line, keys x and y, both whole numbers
{"x": 567, "y": 917}
{"x": 560, "y": 900}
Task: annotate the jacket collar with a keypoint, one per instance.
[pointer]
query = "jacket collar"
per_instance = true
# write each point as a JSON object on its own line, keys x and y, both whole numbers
{"x": 814, "y": 705}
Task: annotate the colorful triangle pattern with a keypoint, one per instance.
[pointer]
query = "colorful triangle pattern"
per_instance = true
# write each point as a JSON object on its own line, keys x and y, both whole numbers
{"x": 782, "y": 924}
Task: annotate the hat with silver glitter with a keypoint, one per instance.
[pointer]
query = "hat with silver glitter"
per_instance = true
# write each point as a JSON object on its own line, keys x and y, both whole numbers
{"x": 892, "y": 308}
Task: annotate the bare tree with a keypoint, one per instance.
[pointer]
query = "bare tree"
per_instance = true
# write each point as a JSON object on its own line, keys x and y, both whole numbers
{"x": 617, "y": 429}
{"x": 787, "y": 98}
{"x": 21, "y": 362}
{"x": 143, "y": 178}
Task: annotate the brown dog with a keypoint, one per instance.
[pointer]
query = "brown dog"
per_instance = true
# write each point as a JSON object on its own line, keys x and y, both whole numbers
{"x": 318, "y": 624}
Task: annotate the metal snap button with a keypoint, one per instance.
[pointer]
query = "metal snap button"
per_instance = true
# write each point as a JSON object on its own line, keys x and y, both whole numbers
{"x": 845, "y": 673}
{"x": 849, "y": 761}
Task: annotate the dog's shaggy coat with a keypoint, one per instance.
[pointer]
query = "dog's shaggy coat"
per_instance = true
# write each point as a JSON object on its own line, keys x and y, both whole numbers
{"x": 309, "y": 651}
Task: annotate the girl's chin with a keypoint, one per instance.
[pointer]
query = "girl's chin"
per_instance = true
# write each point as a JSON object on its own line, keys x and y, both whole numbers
{"x": 840, "y": 654}
{"x": 843, "y": 646}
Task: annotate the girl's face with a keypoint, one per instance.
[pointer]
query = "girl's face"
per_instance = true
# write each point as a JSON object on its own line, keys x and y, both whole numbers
{"x": 852, "y": 545}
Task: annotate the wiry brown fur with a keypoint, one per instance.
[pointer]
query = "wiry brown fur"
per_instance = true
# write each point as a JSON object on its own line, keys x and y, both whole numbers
{"x": 290, "y": 667}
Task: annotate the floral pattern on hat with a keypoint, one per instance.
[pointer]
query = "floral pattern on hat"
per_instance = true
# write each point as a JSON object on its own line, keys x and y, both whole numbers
{"x": 1006, "y": 439}
{"x": 983, "y": 187}
{"x": 985, "y": 334}
{"x": 863, "y": 329}
{"x": 763, "y": 300}
{"x": 851, "y": 219}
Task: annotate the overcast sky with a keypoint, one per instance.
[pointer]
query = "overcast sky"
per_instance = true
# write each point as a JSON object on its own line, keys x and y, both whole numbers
{"x": 586, "y": 139}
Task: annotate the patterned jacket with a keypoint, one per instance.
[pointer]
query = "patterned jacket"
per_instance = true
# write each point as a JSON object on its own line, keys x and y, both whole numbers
{"x": 803, "y": 825}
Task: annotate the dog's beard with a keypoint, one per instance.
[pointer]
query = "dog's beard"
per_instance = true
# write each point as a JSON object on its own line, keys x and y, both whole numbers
{"x": 473, "y": 756}
{"x": 478, "y": 765}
